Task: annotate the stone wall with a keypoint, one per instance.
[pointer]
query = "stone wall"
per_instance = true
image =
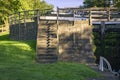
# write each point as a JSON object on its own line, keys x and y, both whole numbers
{"x": 20, "y": 32}
{"x": 75, "y": 42}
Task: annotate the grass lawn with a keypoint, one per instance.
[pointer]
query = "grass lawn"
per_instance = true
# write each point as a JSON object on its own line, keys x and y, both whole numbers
{"x": 17, "y": 62}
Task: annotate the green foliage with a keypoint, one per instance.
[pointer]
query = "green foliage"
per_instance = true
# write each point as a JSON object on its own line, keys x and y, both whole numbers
{"x": 12, "y": 6}
{"x": 101, "y": 3}
{"x": 109, "y": 47}
{"x": 96, "y": 3}
{"x": 41, "y": 5}
{"x": 7, "y": 7}
{"x": 90, "y": 3}
{"x": 17, "y": 62}
{"x": 117, "y": 3}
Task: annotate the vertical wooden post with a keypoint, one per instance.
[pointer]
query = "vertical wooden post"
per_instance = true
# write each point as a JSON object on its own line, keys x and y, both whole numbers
{"x": 25, "y": 32}
{"x": 102, "y": 33}
{"x": 73, "y": 17}
{"x": 2, "y": 28}
{"x": 102, "y": 29}
{"x": 57, "y": 30}
{"x": 74, "y": 33}
{"x": 90, "y": 17}
{"x": 19, "y": 18}
{"x": 57, "y": 16}
{"x": 14, "y": 18}
{"x": 25, "y": 18}
{"x": 9, "y": 21}
{"x": 19, "y": 24}
{"x": 108, "y": 12}
{"x": 38, "y": 16}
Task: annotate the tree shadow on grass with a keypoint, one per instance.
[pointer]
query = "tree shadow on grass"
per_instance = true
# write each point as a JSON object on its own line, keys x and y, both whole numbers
{"x": 31, "y": 43}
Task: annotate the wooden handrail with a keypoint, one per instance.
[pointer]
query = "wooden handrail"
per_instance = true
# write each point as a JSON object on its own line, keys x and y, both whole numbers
{"x": 92, "y": 8}
{"x": 102, "y": 14}
{"x": 2, "y": 28}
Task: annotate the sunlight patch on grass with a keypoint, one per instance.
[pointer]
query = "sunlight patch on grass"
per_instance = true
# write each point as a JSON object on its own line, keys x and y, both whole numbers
{"x": 16, "y": 44}
{"x": 4, "y": 33}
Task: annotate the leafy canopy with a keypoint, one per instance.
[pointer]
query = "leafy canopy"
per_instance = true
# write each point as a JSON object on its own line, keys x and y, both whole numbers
{"x": 11, "y": 6}
{"x": 98, "y": 3}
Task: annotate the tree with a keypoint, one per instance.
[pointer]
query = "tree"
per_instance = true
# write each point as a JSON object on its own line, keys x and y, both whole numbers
{"x": 90, "y": 3}
{"x": 42, "y": 5}
{"x": 117, "y": 3}
{"x": 97, "y": 3}
{"x": 12, "y": 6}
{"x": 7, "y": 7}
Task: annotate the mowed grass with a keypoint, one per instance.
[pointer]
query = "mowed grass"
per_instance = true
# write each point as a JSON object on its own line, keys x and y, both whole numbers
{"x": 17, "y": 62}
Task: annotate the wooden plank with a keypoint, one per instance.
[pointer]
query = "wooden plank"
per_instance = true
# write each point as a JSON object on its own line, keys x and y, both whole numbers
{"x": 90, "y": 17}
{"x": 102, "y": 29}
{"x": 57, "y": 30}
{"x": 25, "y": 19}
{"x": 108, "y": 14}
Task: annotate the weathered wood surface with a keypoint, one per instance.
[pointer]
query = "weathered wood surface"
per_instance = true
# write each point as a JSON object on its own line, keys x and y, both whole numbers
{"x": 95, "y": 14}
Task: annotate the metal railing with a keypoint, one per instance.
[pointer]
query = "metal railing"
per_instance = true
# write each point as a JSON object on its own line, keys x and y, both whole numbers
{"x": 105, "y": 65}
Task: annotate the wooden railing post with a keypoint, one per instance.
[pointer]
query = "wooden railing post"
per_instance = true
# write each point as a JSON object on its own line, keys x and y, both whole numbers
{"x": 9, "y": 20}
{"x": 102, "y": 33}
{"x": 57, "y": 16}
{"x": 19, "y": 19}
{"x": 19, "y": 24}
{"x": 38, "y": 16}
{"x": 102, "y": 29}
{"x": 73, "y": 17}
{"x": 57, "y": 30}
{"x": 73, "y": 25}
{"x": 2, "y": 28}
{"x": 108, "y": 12}
{"x": 25, "y": 28}
{"x": 90, "y": 17}
{"x": 25, "y": 18}
{"x": 15, "y": 19}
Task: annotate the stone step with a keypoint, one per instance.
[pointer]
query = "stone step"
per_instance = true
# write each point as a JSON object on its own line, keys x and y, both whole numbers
{"x": 47, "y": 58}
{"x": 45, "y": 51}
{"x": 45, "y": 45}
{"x": 45, "y": 38}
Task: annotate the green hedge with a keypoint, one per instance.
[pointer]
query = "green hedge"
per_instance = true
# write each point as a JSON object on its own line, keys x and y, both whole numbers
{"x": 108, "y": 48}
